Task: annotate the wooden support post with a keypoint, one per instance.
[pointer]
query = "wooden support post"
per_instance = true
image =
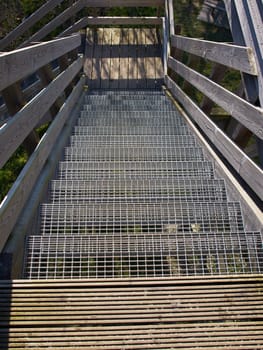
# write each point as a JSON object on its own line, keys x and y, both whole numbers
{"x": 14, "y": 101}
{"x": 193, "y": 62}
{"x": 235, "y": 130}
{"x": 176, "y": 53}
{"x": 46, "y": 75}
{"x": 217, "y": 74}
{"x": 63, "y": 62}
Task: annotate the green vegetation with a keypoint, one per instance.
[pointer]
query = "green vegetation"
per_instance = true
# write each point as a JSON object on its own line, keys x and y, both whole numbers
{"x": 11, "y": 170}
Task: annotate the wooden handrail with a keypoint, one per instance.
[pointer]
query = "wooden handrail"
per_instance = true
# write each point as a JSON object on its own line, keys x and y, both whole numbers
{"x": 233, "y": 56}
{"x": 18, "y": 64}
{"x": 124, "y": 20}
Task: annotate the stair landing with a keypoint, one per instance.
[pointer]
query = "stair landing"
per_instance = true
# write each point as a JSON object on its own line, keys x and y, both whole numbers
{"x": 123, "y": 58}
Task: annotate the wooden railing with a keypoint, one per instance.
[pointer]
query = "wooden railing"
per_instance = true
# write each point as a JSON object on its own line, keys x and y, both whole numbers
{"x": 57, "y": 96}
{"x": 64, "y": 16}
{"x": 237, "y": 57}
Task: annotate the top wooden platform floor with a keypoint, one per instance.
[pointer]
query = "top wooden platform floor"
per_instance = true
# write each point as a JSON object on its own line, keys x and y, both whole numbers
{"x": 122, "y": 58}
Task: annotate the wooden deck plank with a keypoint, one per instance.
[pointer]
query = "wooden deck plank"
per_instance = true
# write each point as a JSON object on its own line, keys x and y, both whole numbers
{"x": 115, "y": 58}
{"x": 89, "y": 53}
{"x": 133, "y": 66}
{"x": 96, "y": 70}
{"x": 124, "y": 59}
{"x": 141, "y": 52}
{"x": 106, "y": 58}
{"x": 150, "y": 59}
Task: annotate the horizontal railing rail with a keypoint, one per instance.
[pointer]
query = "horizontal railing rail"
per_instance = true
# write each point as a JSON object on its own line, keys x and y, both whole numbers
{"x": 58, "y": 95}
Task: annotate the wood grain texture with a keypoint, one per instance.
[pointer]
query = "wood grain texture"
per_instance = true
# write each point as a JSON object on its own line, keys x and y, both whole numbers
{"x": 121, "y": 3}
{"x": 18, "y": 64}
{"x": 180, "y": 313}
{"x": 126, "y": 57}
{"x": 233, "y": 56}
{"x": 123, "y": 21}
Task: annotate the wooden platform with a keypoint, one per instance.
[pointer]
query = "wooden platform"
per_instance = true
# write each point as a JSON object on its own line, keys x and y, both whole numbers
{"x": 187, "y": 313}
{"x": 119, "y": 58}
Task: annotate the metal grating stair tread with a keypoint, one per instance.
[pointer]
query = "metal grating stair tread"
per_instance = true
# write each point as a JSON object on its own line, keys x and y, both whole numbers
{"x": 143, "y": 190}
{"x": 135, "y": 170}
{"x": 141, "y": 255}
{"x": 134, "y": 196}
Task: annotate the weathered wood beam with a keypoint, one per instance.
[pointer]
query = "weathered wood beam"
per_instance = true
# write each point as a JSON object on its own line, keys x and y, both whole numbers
{"x": 233, "y": 56}
{"x": 250, "y": 82}
{"x": 16, "y": 130}
{"x": 18, "y": 195}
{"x": 171, "y": 17}
{"x": 126, "y": 3}
{"x": 124, "y": 20}
{"x": 28, "y": 22}
{"x": 244, "y": 166}
{"x": 18, "y": 64}
{"x": 82, "y": 23}
{"x": 247, "y": 114}
{"x": 250, "y": 15}
{"x": 54, "y": 23}
{"x": 46, "y": 76}
{"x": 63, "y": 62}
{"x": 217, "y": 74}
{"x": 193, "y": 62}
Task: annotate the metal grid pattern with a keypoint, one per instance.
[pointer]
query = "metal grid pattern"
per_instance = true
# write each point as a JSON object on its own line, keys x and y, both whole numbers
{"x": 125, "y": 122}
{"x": 133, "y": 170}
{"x": 98, "y": 256}
{"x": 132, "y": 130}
{"x": 136, "y": 106}
{"x": 154, "y": 190}
{"x": 132, "y": 141}
{"x": 133, "y": 154}
{"x": 103, "y": 218}
{"x": 135, "y": 197}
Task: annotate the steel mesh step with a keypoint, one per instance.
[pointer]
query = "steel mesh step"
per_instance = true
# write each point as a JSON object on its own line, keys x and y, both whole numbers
{"x": 157, "y": 190}
{"x": 132, "y": 141}
{"x": 135, "y": 197}
{"x": 125, "y": 122}
{"x": 156, "y": 255}
{"x": 152, "y": 169}
{"x": 114, "y": 217}
{"x": 133, "y": 154}
{"x": 131, "y": 130}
